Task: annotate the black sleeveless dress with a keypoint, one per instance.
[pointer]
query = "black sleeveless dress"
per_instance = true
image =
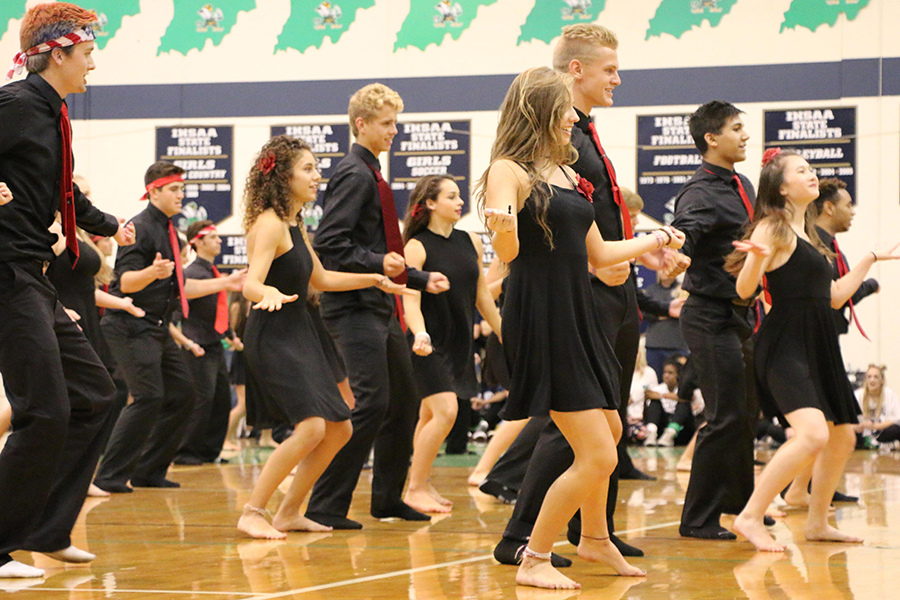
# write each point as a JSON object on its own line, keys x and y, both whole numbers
{"x": 289, "y": 379}
{"x": 449, "y": 317}
{"x": 798, "y": 356}
{"x": 557, "y": 356}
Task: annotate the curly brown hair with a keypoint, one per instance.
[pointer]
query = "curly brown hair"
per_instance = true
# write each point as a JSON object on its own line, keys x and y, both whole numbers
{"x": 269, "y": 183}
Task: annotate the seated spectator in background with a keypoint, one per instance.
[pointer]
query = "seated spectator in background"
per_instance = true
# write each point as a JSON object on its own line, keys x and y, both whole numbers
{"x": 665, "y": 412}
{"x": 664, "y": 331}
{"x": 879, "y": 424}
{"x": 642, "y": 380}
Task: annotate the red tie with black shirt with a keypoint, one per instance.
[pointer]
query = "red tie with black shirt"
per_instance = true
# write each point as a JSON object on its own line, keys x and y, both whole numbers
{"x": 179, "y": 272}
{"x": 391, "y": 233}
{"x": 617, "y": 192}
{"x": 66, "y": 194}
{"x": 221, "y": 307}
{"x": 843, "y": 270}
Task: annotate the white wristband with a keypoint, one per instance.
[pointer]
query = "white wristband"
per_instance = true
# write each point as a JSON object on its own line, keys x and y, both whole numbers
{"x": 425, "y": 335}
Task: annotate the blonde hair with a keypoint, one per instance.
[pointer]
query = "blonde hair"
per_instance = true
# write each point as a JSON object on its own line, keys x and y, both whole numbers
{"x": 641, "y": 363}
{"x": 872, "y": 405}
{"x": 368, "y": 101}
{"x": 579, "y": 42}
{"x": 632, "y": 200}
{"x": 529, "y": 133}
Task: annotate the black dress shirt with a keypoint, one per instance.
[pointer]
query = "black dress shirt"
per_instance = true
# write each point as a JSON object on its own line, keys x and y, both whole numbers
{"x": 607, "y": 214}
{"x": 160, "y": 297}
{"x": 200, "y": 326}
{"x": 710, "y": 212}
{"x": 31, "y": 165}
{"x": 868, "y": 287}
{"x": 351, "y": 237}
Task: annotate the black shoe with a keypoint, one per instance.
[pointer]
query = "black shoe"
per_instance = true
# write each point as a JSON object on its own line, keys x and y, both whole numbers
{"x": 114, "y": 488}
{"x": 221, "y": 461}
{"x": 499, "y": 491}
{"x": 509, "y": 552}
{"x": 839, "y": 497}
{"x": 192, "y": 461}
{"x": 758, "y": 463}
{"x": 334, "y": 521}
{"x": 768, "y": 521}
{"x": 399, "y": 511}
{"x": 574, "y": 538}
{"x": 706, "y": 533}
{"x": 155, "y": 483}
{"x": 636, "y": 474}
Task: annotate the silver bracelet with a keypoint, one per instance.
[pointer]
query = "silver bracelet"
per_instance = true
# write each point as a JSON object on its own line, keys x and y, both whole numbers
{"x": 426, "y": 334}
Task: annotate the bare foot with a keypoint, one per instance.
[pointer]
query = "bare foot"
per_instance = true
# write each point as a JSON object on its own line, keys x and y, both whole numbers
{"x": 797, "y": 498}
{"x": 422, "y": 501}
{"x": 604, "y": 551}
{"x": 476, "y": 478}
{"x": 541, "y": 574}
{"x": 297, "y": 523}
{"x": 229, "y": 446}
{"x": 755, "y": 531}
{"x": 256, "y": 526}
{"x": 95, "y": 492}
{"x": 266, "y": 440}
{"x": 830, "y": 534}
{"x": 437, "y": 497}
{"x": 684, "y": 466}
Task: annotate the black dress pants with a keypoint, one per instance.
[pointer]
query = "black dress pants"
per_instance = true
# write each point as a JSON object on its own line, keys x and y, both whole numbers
{"x": 209, "y": 422}
{"x": 718, "y": 335}
{"x": 149, "y": 431}
{"x": 617, "y": 314}
{"x": 377, "y": 355}
{"x": 59, "y": 392}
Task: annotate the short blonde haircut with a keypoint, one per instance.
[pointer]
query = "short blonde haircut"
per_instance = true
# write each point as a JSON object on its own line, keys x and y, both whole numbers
{"x": 580, "y": 42}
{"x": 368, "y": 101}
{"x": 632, "y": 201}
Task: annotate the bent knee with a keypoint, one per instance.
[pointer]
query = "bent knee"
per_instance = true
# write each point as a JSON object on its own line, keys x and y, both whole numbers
{"x": 814, "y": 439}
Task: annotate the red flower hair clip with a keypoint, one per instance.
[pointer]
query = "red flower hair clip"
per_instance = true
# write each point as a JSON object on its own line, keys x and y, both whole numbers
{"x": 266, "y": 162}
{"x": 418, "y": 210}
{"x": 769, "y": 154}
{"x": 586, "y": 189}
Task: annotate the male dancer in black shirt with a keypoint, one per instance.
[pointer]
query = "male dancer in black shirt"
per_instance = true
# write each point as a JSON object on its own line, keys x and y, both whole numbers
{"x": 711, "y": 209}
{"x": 149, "y": 431}
{"x": 206, "y": 327}
{"x": 58, "y": 388}
{"x": 588, "y": 53}
{"x": 359, "y": 232}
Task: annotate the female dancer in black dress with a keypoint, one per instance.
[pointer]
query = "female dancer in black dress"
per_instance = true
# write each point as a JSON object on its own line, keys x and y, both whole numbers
{"x": 289, "y": 379}
{"x": 443, "y": 357}
{"x": 560, "y": 363}
{"x": 799, "y": 369}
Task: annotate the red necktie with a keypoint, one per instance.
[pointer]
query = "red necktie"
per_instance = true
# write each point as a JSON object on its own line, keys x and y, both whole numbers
{"x": 179, "y": 273}
{"x": 221, "y": 307}
{"x": 66, "y": 195}
{"x": 617, "y": 193}
{"x": 843, "y": 270}
{"x": 743, "y": 194}
{"x": 391, "y": 234}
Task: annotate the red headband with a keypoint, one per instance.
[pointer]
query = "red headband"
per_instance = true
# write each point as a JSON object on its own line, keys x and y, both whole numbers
{"x": 202, "y": 233}
{"x": 85, "y": 34}
{"x": 161, "y": 182}
{"x": 769, "y": 154}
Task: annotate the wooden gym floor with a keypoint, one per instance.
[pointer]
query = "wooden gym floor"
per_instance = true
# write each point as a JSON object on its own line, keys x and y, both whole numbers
{"x": 182, "y": 544}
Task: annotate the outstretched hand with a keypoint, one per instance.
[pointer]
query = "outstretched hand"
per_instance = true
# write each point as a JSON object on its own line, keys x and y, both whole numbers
{"x": 5, "y": 194}
{"x": 273, "y": 299}
{"x": 889, "y": 254}
{"x": 499, "y": 221}
{"x": 749, "y": 247}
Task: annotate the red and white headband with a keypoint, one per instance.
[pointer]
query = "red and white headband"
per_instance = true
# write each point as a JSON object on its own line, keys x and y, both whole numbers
{"x": 161, "y": 182}
{"x": 85, "y": 34}
{"x": 209, "y": 229}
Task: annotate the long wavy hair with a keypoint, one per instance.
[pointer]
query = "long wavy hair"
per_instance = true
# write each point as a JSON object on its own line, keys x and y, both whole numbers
{"x": 771, "y": 205}
{"x": 269, "y": 183}
{"x": 873, "y": 405}
{"x": 418, "y": 215}
{"x": 529, "y": 134}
